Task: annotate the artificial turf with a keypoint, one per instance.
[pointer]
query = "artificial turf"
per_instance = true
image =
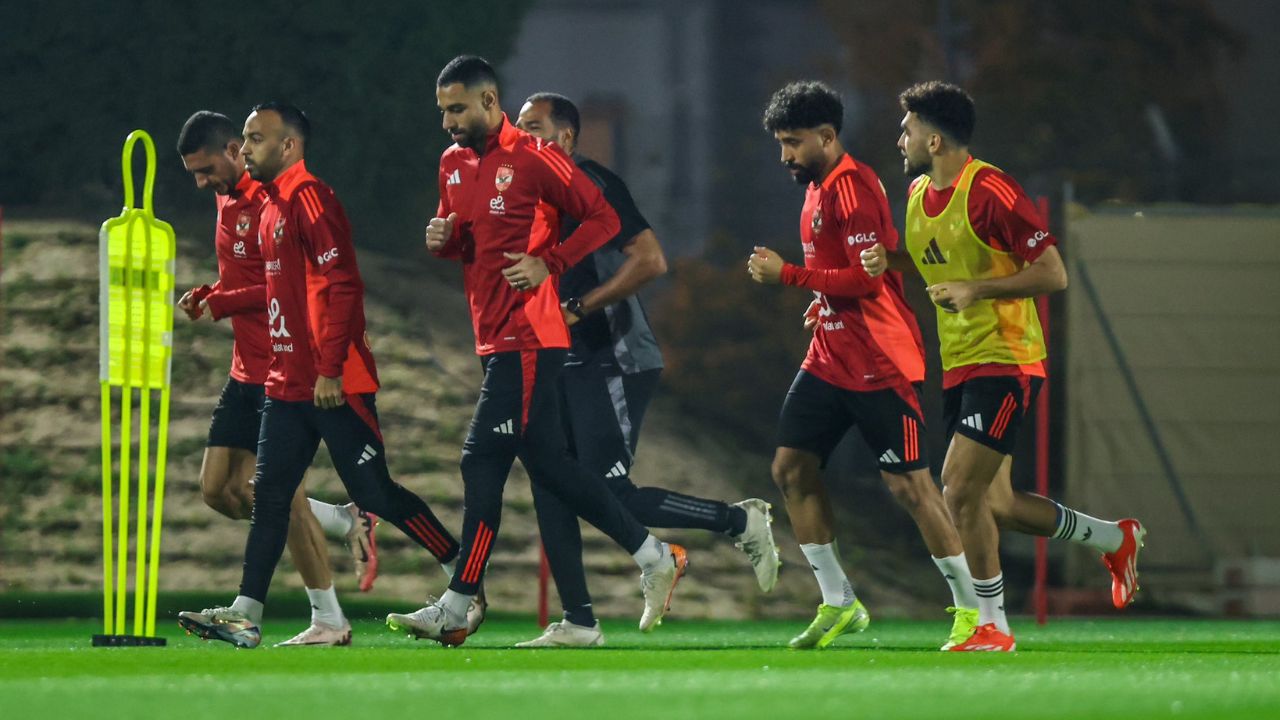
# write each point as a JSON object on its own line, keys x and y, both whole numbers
{"x": 1069, "y": 669}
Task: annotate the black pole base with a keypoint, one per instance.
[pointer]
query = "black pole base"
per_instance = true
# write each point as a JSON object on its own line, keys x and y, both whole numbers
{"x": 127, "y": 641}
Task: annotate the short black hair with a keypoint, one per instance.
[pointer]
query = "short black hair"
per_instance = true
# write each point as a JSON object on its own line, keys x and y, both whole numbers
{"x": 290, "y": 115}
{"x": 470, "y": 70}
{"x": 563, "y": 111}
{"x": 945, "y": 106}
{"x": 802, "y": 106}
{"x": 206, "y": 130}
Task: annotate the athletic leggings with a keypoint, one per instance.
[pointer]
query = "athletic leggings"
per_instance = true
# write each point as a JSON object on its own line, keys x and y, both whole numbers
{"x": 518, "y": 416}
{"x": 290, "y": 434}
{"x": 602, "y": 409}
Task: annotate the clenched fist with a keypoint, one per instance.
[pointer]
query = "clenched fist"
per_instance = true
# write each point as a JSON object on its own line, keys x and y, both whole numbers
{"x": 439, "y": 230}
{"x": 765, "y": 266}
{"x": 874, "y": 260}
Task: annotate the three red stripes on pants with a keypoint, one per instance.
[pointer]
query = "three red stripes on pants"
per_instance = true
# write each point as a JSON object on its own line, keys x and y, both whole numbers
{"x": 479, "y": 554}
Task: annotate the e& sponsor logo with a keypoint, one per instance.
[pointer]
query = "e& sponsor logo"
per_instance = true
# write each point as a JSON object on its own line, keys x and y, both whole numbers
{"x": 275, "y": 324}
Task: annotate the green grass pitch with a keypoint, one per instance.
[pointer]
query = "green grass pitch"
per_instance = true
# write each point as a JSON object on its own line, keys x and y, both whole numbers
{"x": 1069, "y": 669}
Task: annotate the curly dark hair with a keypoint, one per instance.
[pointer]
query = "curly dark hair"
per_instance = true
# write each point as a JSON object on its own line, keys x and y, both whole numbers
{"x": 945, "y": 106}
{"x": 804, "y": 105}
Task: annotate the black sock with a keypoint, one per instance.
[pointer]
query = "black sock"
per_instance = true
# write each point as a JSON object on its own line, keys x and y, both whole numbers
{"x": 737, "y": 521}
{"x": 656, "y": 507}
{"x": 581, "y": 615}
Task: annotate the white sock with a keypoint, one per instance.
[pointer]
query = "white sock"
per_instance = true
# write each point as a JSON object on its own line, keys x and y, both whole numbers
{"x": 1101, "y": 535}
{"x": 450, "y": 568}
{"x": 955, "y": 570}
{"x": 991, "y": 602}
{"x": 251, "y": 608}
{"x": 652, "y": 551}
{"x": 825, "y": 561}
{"x": 325, "y": 608}
{"x": 455, "y": 608}
{"x": 334, "y": 519}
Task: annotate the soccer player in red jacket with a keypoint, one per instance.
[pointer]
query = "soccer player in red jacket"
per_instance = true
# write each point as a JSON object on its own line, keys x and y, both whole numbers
{"x": 210, "y": 148}
{"x": 864, "y": 366}
{"x": 502, "y": 194}
{"x": 322, "y": 379}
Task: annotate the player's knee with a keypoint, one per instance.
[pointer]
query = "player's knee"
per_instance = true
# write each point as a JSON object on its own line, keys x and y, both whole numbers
{"x": 623, "y": 488}
{"x": 911, "y": 493}
{"x": 790, "y": 477}
{"x": 374, "y": 499}
{"x": 219, "y": 503}
{"x": 268, "y": 502}
{"x": 959, "y": 492}
{"x": 218, "y": 499}
{"x": 474, "y": 465}
{"x": 240, "y": 508}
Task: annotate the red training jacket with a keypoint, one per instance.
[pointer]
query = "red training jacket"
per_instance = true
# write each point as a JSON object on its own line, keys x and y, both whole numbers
{"x": 240, "y": 290}
{"x": 867, "y": 337}
{"x": 509, "y": 200}
{"x": 315, "y": 297}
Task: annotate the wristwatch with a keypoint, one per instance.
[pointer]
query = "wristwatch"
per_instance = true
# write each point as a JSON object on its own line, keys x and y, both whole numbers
{"x": 574, "y": 307}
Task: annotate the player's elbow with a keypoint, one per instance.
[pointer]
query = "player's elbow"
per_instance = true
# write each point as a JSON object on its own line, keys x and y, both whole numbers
{"x": 644, "y": 254}
{"x": 1058, "y": 280}
{"x": 609, "y": 221}
{"x": 1062, "y": 280}
{"x": 656, "y": 265}
{"x": 1053, "y": 272}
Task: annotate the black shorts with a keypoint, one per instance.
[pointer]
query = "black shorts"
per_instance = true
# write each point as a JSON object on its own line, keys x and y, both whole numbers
{"x": 817, "y": 414}
{"x": 602, "y": 410}
{"x": 989, "y": 410}
{"x": 237, "y": 417}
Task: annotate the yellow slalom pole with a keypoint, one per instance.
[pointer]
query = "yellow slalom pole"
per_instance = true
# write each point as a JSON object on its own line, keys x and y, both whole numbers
{"x": 107, "y": 504}
{"x": 126, "y": 439}
{"x": 153, "y": 571}
{"x": 144, "y": 440}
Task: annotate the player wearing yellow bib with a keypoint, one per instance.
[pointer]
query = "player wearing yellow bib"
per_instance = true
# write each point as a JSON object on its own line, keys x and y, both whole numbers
{"x": 985, "y": 253}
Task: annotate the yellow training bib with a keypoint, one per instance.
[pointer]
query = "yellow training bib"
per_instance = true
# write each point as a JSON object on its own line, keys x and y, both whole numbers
{"x": 945, "y": 248}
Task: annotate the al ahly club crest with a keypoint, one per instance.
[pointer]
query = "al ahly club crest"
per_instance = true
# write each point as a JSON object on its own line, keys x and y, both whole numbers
{"x": 279, "y": 231}
{"x": 503, "y": 179}
{"x": 242, "y": 224}
{"x": 816, "y": 221}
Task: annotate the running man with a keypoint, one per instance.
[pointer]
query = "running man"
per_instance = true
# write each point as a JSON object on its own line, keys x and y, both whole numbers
{"x": 502, "y": 195}
{"x": 321, "y": 381}
{"x": 985, "y": 253}
{"x": 210, "y": 148}
{"x": 864, "y": 366}
{"x": 608, "y": 380}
